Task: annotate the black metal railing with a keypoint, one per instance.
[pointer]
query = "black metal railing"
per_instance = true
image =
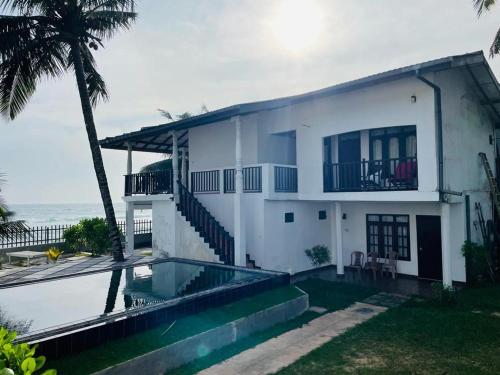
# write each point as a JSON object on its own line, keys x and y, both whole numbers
{"x": 285, "y": 179}
{"x": 371, "y": 175}
{"x": 252, "y": 180}
{"x": 149, "y": 183}
{"x": 46, "y": 235}
{"x": 206, "y": 225}
{"x": 205, "y": 182}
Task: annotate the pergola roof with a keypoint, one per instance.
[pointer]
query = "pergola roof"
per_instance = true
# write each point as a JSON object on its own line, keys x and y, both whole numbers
{"x": 157, "y": 138}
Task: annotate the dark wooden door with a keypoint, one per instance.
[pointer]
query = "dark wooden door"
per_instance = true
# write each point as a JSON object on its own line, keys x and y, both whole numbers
{"x": 350, "y": 161}
{"x": 430, "y": 263}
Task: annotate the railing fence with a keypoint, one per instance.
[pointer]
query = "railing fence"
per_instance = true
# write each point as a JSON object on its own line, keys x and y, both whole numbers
{"x": 45, "y": 235}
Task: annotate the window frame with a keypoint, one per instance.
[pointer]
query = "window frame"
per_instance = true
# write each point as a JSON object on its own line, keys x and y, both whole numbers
{"x": 401, "y": 132}
{"x": 394, "y": 225}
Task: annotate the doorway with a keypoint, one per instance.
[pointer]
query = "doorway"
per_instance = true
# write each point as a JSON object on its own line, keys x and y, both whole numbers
{"x": 430, "y": 261}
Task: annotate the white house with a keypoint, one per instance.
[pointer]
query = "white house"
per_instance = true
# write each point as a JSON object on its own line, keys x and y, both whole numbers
{"x": 386, "y": 162}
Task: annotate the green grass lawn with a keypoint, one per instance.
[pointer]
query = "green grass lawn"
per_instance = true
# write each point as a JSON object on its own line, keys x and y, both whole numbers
{"x": 418, "y": 337}
{"x": 332, "y": 296}
{"x": 118, "y": 351}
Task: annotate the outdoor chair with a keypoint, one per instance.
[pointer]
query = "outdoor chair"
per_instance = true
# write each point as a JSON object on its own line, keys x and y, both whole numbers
{"x": 357, "y": 260}
{"x": 372, "y": 263}
{"x": 390, "y": 263}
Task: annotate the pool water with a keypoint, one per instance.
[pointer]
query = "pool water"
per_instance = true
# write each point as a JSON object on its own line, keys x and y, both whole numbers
{"x": 42, "y": 306}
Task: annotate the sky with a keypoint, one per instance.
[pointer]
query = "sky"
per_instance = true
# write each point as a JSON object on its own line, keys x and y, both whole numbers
{"x": 180, "y": 55}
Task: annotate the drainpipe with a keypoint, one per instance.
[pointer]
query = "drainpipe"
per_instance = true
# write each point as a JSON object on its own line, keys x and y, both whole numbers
{"x": 439, "y": 123}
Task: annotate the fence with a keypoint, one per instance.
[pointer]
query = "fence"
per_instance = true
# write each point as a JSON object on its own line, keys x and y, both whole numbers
{"x": 44, "y": 235}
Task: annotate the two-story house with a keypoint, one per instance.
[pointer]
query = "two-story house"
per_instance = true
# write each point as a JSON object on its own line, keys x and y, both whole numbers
{"x": 384, "y": 163}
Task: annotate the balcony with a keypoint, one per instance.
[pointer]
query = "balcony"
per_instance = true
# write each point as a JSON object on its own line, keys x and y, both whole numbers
{"x": 371, "y": 175}
{"x": 149, "y": 183}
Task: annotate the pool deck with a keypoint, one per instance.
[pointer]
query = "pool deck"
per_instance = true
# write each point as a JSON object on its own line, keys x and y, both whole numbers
{"x": 403, "y": 284}
{"x": 11, "y": 275}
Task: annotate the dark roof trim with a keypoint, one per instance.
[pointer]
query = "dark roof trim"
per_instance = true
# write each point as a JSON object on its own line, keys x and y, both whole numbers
{"x": 445, "y": 63}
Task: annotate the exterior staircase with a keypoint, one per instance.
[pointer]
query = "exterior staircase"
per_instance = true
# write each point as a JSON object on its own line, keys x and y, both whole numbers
{"x": 208, "y": 278}
{"x": 212, "y": 232}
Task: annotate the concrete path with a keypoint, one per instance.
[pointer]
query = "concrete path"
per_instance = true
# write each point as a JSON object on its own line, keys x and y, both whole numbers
{"x": 279, "y": 352}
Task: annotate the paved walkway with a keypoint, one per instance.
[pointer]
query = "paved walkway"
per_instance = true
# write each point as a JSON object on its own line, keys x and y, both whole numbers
{"x": 68, "y": 266}
{"x": 281, "y": 351}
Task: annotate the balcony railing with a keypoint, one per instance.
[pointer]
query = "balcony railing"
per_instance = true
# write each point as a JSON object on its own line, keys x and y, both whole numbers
{"x": 371, "y": 175}
{"x": 285, "y": 179}
{"x": 149, "y": 183}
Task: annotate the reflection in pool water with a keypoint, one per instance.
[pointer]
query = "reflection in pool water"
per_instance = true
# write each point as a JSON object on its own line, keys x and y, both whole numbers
{"x": 67, "y": 300}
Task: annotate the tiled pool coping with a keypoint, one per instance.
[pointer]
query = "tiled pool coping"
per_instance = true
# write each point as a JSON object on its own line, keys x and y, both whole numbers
{"x": 69, "y": 339}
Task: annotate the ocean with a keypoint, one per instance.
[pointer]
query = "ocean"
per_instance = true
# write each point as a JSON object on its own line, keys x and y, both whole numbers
{"x": 58, "y": 214}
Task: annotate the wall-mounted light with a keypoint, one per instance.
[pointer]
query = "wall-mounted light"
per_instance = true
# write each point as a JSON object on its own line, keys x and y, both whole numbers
{"x": 344, "y": 216}
{"x": 413, "y": 98}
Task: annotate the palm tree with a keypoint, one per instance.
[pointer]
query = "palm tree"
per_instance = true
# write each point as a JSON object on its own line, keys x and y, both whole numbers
{"x": 46, "y": 38}
{"x": 482, "y": 6}
{"x": 9, "y": 228}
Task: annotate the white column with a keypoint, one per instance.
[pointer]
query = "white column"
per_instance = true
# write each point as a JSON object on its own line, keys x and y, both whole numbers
{"x": 175, "y": 165}
{"x": 338, "y": 238}
{"x": 446, "y": 243}
{"x": 239, "y": 217}
{"x": 183, "y": 167}
{"x": 129, "y": 227}
{"x": 129, "y": 158}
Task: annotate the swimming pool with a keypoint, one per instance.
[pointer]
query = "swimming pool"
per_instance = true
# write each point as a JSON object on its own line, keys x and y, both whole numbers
{"x": 68, "y": 314}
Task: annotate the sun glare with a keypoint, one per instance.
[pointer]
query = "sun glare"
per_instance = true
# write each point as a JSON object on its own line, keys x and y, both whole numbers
{"x": 297, "y": 25}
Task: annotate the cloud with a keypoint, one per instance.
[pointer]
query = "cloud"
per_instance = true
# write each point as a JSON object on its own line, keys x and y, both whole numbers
{"x": 181, "y": 54}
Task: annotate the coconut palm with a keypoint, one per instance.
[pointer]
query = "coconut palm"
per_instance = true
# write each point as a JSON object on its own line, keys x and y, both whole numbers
{"x": 10, "y": 228}
{"x": 46, "y": 38}
{"x": 482, "y": 6}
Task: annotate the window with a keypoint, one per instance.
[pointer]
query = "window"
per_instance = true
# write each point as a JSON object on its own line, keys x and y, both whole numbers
{"x": 393, "y": 143}
{"x": 388, "y": 233}
{"x": 322, "y": 215}
{"x": 289, "y": 217}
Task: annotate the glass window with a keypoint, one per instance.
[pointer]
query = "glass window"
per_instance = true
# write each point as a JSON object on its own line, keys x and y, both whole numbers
{"x": 411, "y": 146}
{"x": 377, "y": 149}
{"x": 388, "y": 233}
{"x": 393, "y": 148}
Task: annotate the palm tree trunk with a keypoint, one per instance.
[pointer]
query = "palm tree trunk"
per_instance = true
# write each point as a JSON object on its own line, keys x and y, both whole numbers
{"x": 88, "y": 116}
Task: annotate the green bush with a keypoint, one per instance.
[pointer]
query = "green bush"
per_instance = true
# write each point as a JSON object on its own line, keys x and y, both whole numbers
{"x": 478, "y": 262}
{"x": 89, "y": 234}
{"x": 318, "y": 255}
{"x": 444, "y": 295}
{"x": 19, "y": 359}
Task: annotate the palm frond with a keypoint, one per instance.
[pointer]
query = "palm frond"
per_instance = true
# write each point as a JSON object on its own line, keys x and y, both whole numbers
{"x": 105, "y": 23}
{"x": 483, "y": 5}
{"x": 95, "y": 83}
{"x": 495, "y": 47}
{"x": 113, "y": 5}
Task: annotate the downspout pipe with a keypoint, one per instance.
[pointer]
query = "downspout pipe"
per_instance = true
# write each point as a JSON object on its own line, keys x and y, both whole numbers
{"x": 439, "y": 123}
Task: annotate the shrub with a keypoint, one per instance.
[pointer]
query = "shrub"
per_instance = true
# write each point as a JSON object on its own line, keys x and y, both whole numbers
{"x": 444, "y": 295}
{"x": 478, "y": 262}
{"x": 89, "y": 234}
{"x": 19, "y": 359}
{"x": 318, "y": 255}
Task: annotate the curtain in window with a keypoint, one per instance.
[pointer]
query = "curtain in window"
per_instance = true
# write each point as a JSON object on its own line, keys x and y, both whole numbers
{"x": 377, "y": 149}
{"x": 411, "y": 146}
{"x": 393, "y": 148}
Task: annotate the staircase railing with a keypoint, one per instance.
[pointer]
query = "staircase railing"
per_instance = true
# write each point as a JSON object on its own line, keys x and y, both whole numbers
{"x": 205, "y": 224}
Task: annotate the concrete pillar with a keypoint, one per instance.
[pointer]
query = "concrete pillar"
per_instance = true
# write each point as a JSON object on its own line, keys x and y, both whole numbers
{"x": 446, "y": 243}
{"x": 183, "y": 167}
{"x": 175, "y": 165}
{"x": 129, "y": 227}
{"x": 129, "y": 158}
{"x": 239, "y": 217}
{"x": 338, "y": 238}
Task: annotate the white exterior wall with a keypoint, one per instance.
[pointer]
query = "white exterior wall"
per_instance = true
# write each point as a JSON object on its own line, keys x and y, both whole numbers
{"x": 276, "y": 245}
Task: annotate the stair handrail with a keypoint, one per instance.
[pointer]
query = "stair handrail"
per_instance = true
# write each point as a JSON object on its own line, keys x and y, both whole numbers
{"x": 206, "y": 224}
